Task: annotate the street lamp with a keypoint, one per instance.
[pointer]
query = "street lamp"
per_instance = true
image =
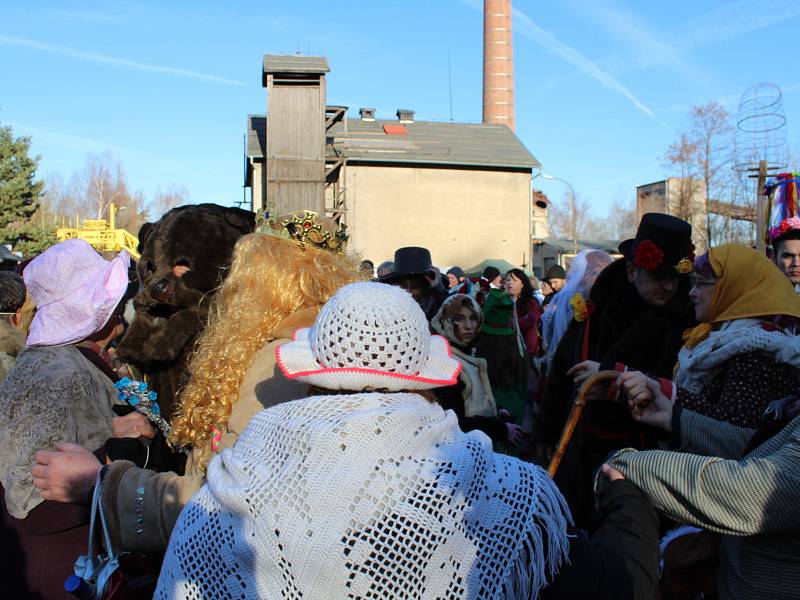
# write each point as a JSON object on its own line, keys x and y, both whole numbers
{"x": 574, "y": 209}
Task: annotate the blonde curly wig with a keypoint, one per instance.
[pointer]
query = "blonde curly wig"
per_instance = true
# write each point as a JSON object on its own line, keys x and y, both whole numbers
{"x": 269, "y": 280}
{"x": 26, "y": 314}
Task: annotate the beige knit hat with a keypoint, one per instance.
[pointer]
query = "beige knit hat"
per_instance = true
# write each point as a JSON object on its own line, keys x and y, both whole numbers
{"x": 369, "y": 336}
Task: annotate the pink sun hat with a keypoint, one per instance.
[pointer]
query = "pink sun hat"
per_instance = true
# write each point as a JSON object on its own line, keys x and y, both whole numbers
{"x": 369, "y": 336}
{"x": 75, "y": 290}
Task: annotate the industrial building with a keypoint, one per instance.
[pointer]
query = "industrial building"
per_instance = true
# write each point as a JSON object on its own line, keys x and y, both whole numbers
{"x": 682, "y": 198}
{"x": 463, "y": 190}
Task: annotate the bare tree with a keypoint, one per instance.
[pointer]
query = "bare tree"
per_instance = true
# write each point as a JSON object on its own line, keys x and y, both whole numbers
{"x": 101, "y": 182}
{"x": 569, "y": 218}
{"x": 703, "y": 153}
{"x": 622, "y": 219}
{"x": 89, "y": 192}
{"x": 163, "y": 201}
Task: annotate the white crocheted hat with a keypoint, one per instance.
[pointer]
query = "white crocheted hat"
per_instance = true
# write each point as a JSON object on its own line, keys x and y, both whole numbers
{"x": 369, "y": 336}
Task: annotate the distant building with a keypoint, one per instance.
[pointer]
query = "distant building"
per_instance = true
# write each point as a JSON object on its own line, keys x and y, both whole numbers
{"x": 541, "y": 223}
{"x": 683, "y": 198}
{"x": 556, "y": 251}
{"x": 462, "y": 190}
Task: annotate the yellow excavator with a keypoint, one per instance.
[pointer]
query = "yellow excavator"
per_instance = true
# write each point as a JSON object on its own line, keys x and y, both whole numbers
{"x": 102, "y": 234}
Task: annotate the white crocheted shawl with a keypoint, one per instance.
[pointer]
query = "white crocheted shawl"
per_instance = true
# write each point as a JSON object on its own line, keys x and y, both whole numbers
{"x": 366, "y": 496}
{"x": 698, "y": 365}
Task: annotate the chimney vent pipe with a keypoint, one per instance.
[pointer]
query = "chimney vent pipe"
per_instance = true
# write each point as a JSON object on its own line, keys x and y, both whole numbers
{"x": 405, "y": 115}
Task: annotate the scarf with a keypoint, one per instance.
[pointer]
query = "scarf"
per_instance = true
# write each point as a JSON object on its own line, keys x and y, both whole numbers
{"x": 442, "y": 322}
{"x": 698, "y": 364}
{"x": 748, "y": 285}
{"x": 366, "y": 495}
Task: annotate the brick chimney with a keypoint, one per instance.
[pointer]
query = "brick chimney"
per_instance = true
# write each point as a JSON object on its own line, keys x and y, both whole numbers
{"x": 498, "y": 64}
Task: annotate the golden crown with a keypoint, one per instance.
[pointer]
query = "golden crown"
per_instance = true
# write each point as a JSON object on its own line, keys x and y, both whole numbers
{"x": 305, "y": 227}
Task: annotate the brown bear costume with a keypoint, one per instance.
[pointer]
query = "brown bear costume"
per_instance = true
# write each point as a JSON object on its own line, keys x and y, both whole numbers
{"x": 184, "y": 257}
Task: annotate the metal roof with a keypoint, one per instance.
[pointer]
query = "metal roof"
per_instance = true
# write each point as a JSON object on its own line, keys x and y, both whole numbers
{"x": 462, "y": 144}
{"x": 567, "y": 246}
{"x": 274, "y": 63}
{"x": 426, "y": 142}
{"x": 256, "y": 136}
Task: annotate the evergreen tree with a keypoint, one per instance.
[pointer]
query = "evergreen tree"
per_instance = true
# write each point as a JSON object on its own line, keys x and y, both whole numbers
{"x": 19, "y": 195}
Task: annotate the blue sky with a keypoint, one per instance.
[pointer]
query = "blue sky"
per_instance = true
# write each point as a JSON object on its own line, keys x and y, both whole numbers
{"x": 602, "y": 87}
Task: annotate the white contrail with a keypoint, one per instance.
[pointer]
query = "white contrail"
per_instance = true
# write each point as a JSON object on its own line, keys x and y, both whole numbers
{"x": 526, "y": 27}
{"x": 64, "y": 141}
{"x": 13, "y": 40}
{"x": 548, "y": 41}
{"x": 718, "y": 25}
{"x": 734, "y": 20}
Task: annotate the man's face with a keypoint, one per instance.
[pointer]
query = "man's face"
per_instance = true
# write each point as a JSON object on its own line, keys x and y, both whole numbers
{"x": 414, "y": 286}
{"x": 655, "y": 290}
{"x": 787, "y": 258}
{"x": 556, "y": 283}
{"x": 452, "y": 281}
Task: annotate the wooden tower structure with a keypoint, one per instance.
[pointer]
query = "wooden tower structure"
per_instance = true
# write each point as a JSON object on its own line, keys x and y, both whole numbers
{"x": 295, "y": 145}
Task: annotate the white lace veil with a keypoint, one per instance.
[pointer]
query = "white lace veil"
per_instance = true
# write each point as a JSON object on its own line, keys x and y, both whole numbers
{"x": 583, "y": 270}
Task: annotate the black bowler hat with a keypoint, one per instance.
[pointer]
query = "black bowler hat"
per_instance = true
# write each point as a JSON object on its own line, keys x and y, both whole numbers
{"x": 411, "y": 261}
{"x": 663, "y": 244}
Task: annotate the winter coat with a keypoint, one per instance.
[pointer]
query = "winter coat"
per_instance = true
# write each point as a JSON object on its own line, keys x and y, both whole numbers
{"x": 471, "y": 398}
{"x": 53, "y": 394}
{"x": 165, "y": 494}
{"x": 750, "y": 498}
{"x": 529, "y": 326}
{"x": 620, "y": 328}
{"x": 620, "y": 560}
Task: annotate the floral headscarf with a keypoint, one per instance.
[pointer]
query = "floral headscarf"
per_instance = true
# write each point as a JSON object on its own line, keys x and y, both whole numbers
{"x": 442, "y": 322}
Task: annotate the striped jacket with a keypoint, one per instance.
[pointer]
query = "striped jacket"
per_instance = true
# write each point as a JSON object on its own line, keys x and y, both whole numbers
{"x": 753, "y": 501}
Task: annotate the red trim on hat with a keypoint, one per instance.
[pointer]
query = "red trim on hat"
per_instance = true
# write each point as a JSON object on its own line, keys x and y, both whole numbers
{"x": 440, "y": 382}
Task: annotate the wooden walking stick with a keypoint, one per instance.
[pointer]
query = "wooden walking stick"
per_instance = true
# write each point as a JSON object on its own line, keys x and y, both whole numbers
{"x": 575, "y": 416}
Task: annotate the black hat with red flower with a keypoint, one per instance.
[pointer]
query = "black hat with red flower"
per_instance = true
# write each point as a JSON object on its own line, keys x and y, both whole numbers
{"x": 663, "y": 244}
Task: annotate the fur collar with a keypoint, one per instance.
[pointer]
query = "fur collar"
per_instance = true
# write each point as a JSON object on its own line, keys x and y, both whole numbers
{"x": 625, "y": 329}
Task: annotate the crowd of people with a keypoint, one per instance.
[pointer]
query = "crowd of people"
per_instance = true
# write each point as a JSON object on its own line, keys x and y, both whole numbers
{"x": 334, "y": 430}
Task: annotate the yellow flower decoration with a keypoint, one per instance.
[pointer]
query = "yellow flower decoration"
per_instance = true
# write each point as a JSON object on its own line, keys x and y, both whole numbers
{"x": 579, "y": 308}
{"x": 684, "y": 266}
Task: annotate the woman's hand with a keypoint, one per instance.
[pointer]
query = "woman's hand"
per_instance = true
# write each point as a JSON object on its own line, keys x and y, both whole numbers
{"x": 582, "y": 371}
{"x": 646, "y": 401}
{"x": 611, "y": 473}
{"x": 66, "y": 475}
{"x": 514, "y": 433}
{"x": 133, "y": 425}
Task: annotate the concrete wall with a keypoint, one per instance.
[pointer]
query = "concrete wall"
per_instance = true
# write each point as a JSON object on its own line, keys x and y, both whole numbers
{"x": 462, "y": 216}
{"x": 683, "y": 198}
{"x": 688, "y": 196}
{"x": 258, "y": 186}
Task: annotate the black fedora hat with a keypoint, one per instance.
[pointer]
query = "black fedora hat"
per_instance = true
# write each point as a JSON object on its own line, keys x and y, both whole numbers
{"x": 411, "y": 261}
{"x": 663, "y": 244}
